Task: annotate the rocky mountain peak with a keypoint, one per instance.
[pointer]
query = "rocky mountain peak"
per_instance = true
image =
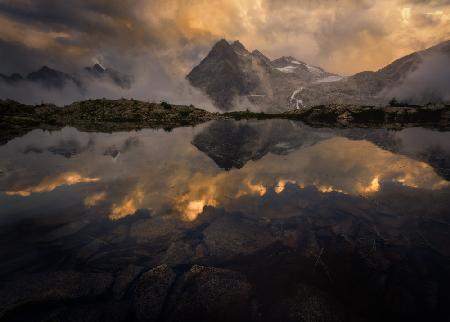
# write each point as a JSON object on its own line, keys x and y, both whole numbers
{"x": 96, "y": 70}
{"x": 239, "y": 47}
{"x": 230, "y": 72}
{"x": 50, "y": 77}
{"x": 99, "y": 68}
{"x": 11, "y": 79}
{"x": 221, "y": 50}
{"x": 261, "y": 57}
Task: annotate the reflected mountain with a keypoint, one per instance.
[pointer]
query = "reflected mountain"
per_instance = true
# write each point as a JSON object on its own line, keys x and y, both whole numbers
{"x": 232, "y": 144}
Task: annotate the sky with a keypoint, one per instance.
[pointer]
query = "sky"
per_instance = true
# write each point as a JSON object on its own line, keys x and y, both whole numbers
{"x": 342, "y": 36}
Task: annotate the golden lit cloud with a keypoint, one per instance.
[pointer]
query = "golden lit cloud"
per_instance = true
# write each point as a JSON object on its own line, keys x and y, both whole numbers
{"x": 343, "y": 36}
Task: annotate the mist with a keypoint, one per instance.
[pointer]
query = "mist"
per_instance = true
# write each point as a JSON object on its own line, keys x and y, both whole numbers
{"x": 150, "y": 82}
{"x": 430, "y": 82}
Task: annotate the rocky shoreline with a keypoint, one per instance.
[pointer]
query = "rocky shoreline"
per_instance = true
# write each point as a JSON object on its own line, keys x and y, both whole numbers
{"x": 120, "y": 115}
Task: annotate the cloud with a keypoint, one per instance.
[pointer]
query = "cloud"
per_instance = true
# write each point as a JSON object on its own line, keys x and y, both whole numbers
{"x": 161, "y": 41}
{"x": 50, "y": 184}
{"x": 430, "y": 82}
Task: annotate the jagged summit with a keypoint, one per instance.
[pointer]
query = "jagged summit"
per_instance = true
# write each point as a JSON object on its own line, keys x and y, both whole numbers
{"x": 239, "y": 47}
{"x": 259, "y": 55}
{"x": 99, "y": 72}
{"x": 97, "y": 68}
{"x": 52, "y": 78}
{"x": 55, "y": 79}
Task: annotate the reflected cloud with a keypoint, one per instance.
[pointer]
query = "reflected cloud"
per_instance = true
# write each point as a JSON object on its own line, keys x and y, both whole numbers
{"x": 168, "y": 175}
{"x": 128, "y": 206}
{"x": 333, "y": 165}
{"x": 50, "y": 184}
{"x": 95, "y": 199}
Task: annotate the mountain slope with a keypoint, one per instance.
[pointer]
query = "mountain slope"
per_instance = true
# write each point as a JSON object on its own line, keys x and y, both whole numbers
{"x": 234, "y": 78}
{"x": 417, "y": 78}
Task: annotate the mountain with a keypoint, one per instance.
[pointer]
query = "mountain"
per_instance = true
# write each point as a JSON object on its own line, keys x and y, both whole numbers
{"x": 11, "y": 79}
{"x": 230, "y": 72}
{"x": 418, "y": 78}
{"x": 99, "y": 72}
{"x": 55, "y": 79}
{"x": 234, "y": 77}
{"x": 52, "y": 78}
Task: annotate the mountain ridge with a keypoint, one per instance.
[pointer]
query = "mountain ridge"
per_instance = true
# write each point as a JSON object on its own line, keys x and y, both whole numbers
{"x": 55, "y": 79}
{"x": 233, "y": 77}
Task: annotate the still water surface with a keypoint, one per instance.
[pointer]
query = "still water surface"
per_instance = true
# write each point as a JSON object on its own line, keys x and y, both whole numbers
{"x": 355, "y": 219}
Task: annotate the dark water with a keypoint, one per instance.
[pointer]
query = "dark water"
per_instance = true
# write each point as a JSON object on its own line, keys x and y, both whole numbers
{"x": 252, "y": 221}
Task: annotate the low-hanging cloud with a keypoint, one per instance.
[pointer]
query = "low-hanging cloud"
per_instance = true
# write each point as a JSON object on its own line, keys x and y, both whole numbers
{"x": 149, "y": 82}
{"x": 430, "y": 82}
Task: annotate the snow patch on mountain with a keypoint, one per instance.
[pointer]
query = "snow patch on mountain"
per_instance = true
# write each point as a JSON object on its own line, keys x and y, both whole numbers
{"x": 330, "y": 79}
{"x": 314, "y": 69}
{"x": 287, "y": 69}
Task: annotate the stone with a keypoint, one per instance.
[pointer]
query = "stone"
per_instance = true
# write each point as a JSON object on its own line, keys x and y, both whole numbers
{"x": 151, "y": 291}
{"x": 52, "y": 287}
{"x": 209, "y": 293}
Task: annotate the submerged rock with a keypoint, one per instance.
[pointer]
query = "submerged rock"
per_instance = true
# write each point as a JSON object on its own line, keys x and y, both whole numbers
{"x": 307, "y": 305}
{"x": 124, "y": 278}
{"x": 151, "y": 291}
{"x": 52, "y": 287}
{"x": 229, "y": 236}
{"x": 210, "y": 294}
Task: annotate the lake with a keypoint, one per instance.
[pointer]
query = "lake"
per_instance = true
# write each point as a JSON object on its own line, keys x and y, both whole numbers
{"x": 230, "y": 220}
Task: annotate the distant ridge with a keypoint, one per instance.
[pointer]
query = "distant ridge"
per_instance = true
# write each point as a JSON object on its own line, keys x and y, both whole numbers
{"x": 55, "y": 79}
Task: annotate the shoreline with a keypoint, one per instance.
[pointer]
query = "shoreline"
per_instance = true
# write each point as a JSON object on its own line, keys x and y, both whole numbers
{"x": 120, "y": 115}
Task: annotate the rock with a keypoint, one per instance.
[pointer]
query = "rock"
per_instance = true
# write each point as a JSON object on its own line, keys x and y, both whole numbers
{"x": 124, "y": 278}
{"x": 147, "y": 230}
{"x": 180, "y": 252}
{"x": 209, "y": 293}
{"x": 64, "y": 231}
{"x": 307, "y": 305}
{"x": 230, "y": 236}
{"x": 91, "y": 249}
{"x": 113, "y": 311}
{"x": 151, "y": 291}
{"x": 52, "y": 286}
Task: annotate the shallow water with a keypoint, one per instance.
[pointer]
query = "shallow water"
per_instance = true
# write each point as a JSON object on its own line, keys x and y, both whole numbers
{"x": 306, "y": 224}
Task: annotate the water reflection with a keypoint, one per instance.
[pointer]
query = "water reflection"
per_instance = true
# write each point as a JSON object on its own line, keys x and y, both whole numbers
{"x": 50, "y": 184}
{"x": 166, "y": 174}
{"x": 329, "y": 208}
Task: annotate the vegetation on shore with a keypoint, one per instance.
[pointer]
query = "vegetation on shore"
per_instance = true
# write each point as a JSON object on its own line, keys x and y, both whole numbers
{"x": 123, "y": 114}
